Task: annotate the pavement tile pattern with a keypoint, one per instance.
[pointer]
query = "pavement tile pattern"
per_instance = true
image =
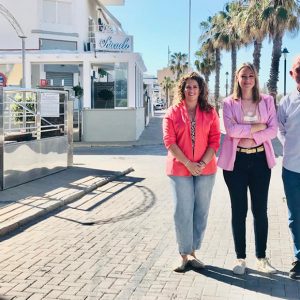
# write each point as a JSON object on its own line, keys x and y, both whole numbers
{"x": 118, "y": 240}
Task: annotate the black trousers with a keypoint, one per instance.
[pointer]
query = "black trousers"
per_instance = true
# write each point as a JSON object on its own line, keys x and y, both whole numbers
{"x": 250, "y": 170}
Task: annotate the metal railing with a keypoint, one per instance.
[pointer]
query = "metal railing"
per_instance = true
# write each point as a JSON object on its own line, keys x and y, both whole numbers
{"x": 30, "y": 115}
{"x": 103, "y": 28}
{"x": 36, "y": 134}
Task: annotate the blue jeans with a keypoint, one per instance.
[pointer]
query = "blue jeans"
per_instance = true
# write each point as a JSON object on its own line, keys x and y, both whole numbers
{"x": 291, "y": 182}
{"x": 192, "y": 196}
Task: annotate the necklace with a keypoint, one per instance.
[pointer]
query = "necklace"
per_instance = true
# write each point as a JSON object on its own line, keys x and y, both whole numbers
{"x": 192, "y": 114}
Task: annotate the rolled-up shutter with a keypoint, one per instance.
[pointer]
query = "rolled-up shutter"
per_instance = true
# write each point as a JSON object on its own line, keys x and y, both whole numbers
{"x": 57, "y": 78}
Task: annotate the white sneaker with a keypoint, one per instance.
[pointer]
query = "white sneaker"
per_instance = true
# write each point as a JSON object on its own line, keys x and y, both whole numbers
{"x": 263, "y": 265}
{"x": 239, "y": 267}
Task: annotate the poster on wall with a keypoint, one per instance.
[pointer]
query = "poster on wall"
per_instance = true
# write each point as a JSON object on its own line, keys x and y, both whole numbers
{"x": 49, "y": 105}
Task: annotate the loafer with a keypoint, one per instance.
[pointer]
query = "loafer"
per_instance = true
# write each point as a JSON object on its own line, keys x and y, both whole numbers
{"x": 182, "y": 268}
{"x": 197, "y": 264}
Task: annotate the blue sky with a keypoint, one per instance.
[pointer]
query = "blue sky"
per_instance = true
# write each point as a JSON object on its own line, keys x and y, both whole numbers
{"x": 159, "y": 24}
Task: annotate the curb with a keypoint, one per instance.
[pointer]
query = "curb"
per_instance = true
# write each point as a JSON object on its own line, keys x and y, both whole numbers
{"x": 13, "y": 224}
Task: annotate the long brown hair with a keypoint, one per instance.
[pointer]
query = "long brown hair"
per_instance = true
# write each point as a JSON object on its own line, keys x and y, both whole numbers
{"x": 203, "y": 95}
{"x": 237, "y": 91}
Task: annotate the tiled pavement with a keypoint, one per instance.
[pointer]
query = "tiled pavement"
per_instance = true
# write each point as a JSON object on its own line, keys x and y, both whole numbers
{"x": 117, "y": 242}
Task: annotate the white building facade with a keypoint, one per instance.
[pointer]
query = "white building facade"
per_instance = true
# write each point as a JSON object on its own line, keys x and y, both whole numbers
{"x": 78, "y": 43}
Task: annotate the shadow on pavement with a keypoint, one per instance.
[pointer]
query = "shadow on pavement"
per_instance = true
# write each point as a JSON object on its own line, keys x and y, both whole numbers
{"x": 277, "y": 285}
{"x": 73, "y": 177}
{"x": 140, "y": 204}
{"x": 147, "y": 202}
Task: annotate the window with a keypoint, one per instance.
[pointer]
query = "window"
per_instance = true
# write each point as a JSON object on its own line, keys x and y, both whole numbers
{"x": 49, "y": 11}
{"x": 121, "y": 84}
{"x": 57, "y": 12}
{"x": 46, "y": 44}
{"x": 138, "y": 87}
{"x": 110, "y": 83}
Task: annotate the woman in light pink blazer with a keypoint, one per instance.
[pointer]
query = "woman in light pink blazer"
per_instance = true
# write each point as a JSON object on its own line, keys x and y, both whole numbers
{"x": 246, "y": 158}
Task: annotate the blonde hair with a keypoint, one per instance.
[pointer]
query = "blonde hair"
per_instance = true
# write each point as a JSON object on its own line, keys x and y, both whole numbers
{"x": 237, "y": 91}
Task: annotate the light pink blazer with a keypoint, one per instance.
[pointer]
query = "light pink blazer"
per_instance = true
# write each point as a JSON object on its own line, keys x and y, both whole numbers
{"x": 235, "y": 130}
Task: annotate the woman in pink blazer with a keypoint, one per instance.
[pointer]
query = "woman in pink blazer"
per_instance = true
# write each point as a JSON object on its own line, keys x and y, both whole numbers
{"x": 191, "y": 133}
{"x": 246, "y": 158}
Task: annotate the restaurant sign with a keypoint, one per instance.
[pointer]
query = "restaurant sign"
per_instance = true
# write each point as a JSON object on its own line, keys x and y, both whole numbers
{"x": 113, "y": 42}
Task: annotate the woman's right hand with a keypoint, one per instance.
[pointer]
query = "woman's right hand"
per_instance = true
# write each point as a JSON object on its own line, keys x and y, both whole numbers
{"x": 195, "y": 168}
{"x": 258, "y": 127}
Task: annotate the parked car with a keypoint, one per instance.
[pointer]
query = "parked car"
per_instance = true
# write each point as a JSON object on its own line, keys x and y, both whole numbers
{"x": 158, "y": 106}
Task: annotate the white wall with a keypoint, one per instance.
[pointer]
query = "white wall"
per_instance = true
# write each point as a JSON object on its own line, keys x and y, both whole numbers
{"x": 127, "y": 125}
{"x": 139, "y": 121}
{"x": 34, "y": 28}
{"x": 27, "y": 21}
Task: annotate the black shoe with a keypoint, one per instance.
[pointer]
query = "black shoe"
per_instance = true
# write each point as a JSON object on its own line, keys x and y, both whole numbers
{"x": 183, "y": 267}
{"x": 295, "y": 270}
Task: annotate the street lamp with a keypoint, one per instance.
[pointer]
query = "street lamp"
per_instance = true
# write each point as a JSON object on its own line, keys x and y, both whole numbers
{"x": 22, "y": 37}
{"x": 226, "y": 85}
{"x": 284, "y": 52}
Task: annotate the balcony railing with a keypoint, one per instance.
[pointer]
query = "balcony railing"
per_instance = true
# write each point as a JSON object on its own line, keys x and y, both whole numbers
{"x": 104, "y": 28}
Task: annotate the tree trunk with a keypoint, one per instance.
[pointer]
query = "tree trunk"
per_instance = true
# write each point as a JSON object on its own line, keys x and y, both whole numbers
{"x": 167, "y": 96}
{"x": 217, "y": 81}
{"x": 257, "y": 54}
{"x": 233, "y": 66}
{"x": 206, "y": 78}
{"x": 274, "y": 71}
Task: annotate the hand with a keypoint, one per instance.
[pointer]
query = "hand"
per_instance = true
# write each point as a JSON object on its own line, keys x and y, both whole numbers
{"x": 195, "y": 168}
{"x": 258, "y": 127}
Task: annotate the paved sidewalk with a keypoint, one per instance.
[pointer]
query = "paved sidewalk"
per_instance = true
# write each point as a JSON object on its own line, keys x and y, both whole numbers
{"x": 130, "y": 250}
{"x": 22, "y": 204}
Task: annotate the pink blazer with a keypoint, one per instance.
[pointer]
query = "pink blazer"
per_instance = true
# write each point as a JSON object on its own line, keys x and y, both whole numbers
{"x": 177, "y": 130}
{"x": 235, "y": 130}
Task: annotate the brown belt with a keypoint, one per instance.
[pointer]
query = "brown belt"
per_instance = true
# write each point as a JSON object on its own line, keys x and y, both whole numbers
{"x": 251, "y": 150}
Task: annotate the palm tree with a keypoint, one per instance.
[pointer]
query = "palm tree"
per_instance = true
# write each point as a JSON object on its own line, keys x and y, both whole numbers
{"x": 249, "y": 21}
{"x": 278, "y": 17}
{"x": 220, "y": 33}
{"x": 206, "y": 66}
{"x": 178, "y": 64}
{"x": 167, "y": 84}
{"x": 212, "y": 42}
{"x": 229, "y": 37}
{"x": 208, "y": 46}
